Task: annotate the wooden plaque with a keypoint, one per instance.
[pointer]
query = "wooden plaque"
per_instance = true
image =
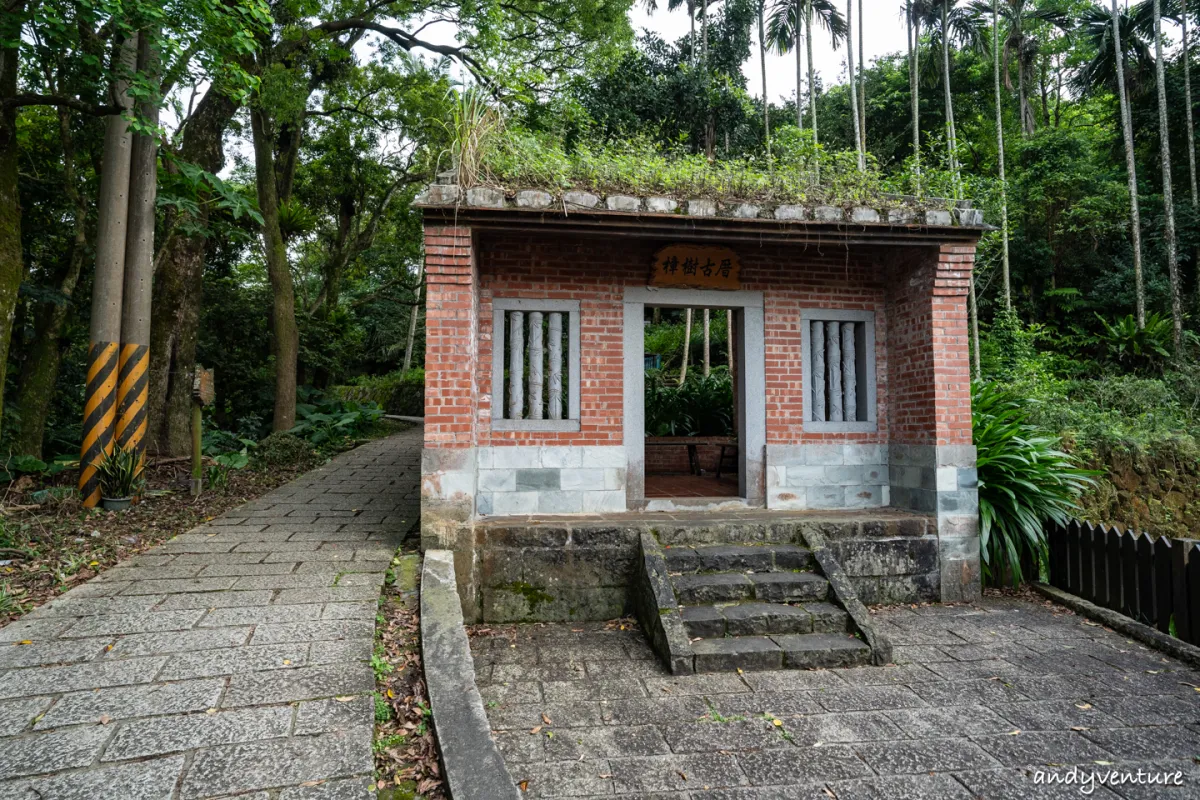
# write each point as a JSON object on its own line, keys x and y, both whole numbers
{"x": 696, "y": 266}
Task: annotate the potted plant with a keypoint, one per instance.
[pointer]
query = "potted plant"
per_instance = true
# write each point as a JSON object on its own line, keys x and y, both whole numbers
{"x": 121, "y": 477}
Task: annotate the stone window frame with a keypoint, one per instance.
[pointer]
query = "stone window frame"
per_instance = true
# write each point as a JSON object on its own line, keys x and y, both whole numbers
{"x": 500, "y": 308}
{"x": 809, "y": 315}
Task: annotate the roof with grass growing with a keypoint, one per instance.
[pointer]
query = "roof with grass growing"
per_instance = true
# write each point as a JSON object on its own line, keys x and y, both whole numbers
{"x": 518, "y": 171}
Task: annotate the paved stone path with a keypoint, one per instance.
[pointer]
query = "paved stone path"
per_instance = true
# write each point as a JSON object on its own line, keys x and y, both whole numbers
{"x": 981, "y": 697}
{"x": 232, "y": 659}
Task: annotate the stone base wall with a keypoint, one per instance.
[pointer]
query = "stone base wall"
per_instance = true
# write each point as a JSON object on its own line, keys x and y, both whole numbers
{"x": 519, "y": 480}
{"x": 943, "y": 481}
{"x": 549, "y": 574}
{"x": 827, "y": 476}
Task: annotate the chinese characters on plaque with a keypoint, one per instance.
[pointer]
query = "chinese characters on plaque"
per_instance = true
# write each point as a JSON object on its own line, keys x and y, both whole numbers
{"x": 697, "y": 266}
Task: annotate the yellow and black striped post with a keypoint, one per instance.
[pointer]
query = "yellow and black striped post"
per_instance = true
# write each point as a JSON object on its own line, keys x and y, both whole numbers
{"x": 132, "y": 424}
{"x": 134, "y": 374}
{"x": 100, "y": 405}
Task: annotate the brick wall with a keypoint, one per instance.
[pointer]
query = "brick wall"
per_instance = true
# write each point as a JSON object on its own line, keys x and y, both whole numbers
{"x": 928, "y": 340}
{"x": 595, "y": 271}
{"x": 451, "y": 337}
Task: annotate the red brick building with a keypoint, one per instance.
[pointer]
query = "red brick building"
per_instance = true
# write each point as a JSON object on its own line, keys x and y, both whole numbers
{"x": 849, "y": 358}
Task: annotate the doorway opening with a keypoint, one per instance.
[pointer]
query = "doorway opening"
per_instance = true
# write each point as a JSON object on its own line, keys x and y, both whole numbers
{"x": 690, "y": 403}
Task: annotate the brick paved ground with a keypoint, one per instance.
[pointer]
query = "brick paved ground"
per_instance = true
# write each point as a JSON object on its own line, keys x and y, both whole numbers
{"x": 982, "y": 695}
{"x": 231, "y": 659}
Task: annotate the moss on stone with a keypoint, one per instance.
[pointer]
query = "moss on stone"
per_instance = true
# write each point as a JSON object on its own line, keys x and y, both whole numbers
{"x": 534, "y": 596}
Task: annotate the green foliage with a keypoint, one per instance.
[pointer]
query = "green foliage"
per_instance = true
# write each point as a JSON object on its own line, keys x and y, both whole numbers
{"x": 396, "y": 392}
{"x": 383, "y": 711}
{"x": 1025, "y": 479}
{"x": 328, "y": 423}
{"x": 10, "y": 602}
{"x": 120, "y": 472}
{"x": 1125, "y": 344}
{"x": 16, "y": 466}
{"x": 283, "y": 450}
{"x": 520, "y": 158}
{"x": 702, "y": 406}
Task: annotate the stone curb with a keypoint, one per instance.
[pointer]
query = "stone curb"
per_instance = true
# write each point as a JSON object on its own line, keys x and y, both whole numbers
{"x": 471, "y": 761}
{"x": 1123, "y": 624}
{"x": 658, "y": 609}
{"x": 843, "y": 590}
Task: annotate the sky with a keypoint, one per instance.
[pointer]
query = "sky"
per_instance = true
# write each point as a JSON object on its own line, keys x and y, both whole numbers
{"x": 883, "y": 34}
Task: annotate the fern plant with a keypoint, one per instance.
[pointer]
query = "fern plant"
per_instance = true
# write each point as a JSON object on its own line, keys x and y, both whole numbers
{"x": 1025, "y": 479}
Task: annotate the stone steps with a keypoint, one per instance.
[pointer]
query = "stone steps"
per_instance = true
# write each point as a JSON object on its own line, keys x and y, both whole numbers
{"x": 760, "y": 606}
{"x": 754, "y": 604}
{"x": 731, "y": 587}
{"x": 763, "y": 619}
{"x": 734, "y": 557}
{"x": 782, "y": 651}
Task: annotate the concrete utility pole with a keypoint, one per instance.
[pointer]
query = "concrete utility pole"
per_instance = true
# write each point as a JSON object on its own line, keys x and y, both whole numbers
{"x": 99, "y": 406}
{"x": 134, "y": 367}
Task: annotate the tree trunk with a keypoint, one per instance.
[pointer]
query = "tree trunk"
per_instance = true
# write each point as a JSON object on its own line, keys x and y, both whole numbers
{"x": 133, "y": 379}
{"x": 762, "y": 57}
{"x": 862, "y": 79}
{"x": 913, "y": 91}
{"x": 1164, "y": 145}
{"x": 704, "y": 34}
{"x": 286, "y": 340}
{"x": 1028, "y": 122}
{"x": 974, "y": 314}
{"x": 412, "y": 320}
{"x": 1004, "y": 270}
{"x": 178, "y": 290}
{"x": 812, "y": 81}
{"x": 687, "y": 346}
{"x": 99, "y": 412}
{"x": 729, "y": 340}
{"x": 39, "y": 371}
{"x": 950, "y": 106}
{"x": 691, "y": 8}
{"x": 1135, "y": 220}
{"x": 12, "y": 266}
{"x": 707, "y": 344}
{"x": 1191, "y": 129}
{"x": 1044, "y": 88}
{"x": 799, "y": 105}
{"x": 858, "y": 143}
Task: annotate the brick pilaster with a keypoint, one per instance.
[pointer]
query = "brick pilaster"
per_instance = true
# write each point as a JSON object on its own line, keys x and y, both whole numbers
{"x": 451, "y": 337}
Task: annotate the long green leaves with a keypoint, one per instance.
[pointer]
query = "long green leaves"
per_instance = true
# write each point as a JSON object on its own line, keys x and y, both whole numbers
{"x": 1024, "y": 480}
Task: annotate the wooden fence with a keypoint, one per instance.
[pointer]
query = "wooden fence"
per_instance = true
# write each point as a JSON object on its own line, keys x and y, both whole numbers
{"x": 1153, "y": 581}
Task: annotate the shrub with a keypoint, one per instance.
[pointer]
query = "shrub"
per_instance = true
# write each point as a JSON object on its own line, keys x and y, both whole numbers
{"x": 283, "y": 450}
{"x": 120, "y": 472}
{"x": 396, "y": 392}
{"x": 1024, "y": 480}
{"x": 1123, "y": 343}
{"x": 330, "y": 422}
{"x": 702, "y": 406}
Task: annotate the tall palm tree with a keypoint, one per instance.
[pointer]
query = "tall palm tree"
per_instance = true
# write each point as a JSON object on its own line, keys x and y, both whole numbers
{"x": 792, "y": 20}
{"x": 862, "y": 78}
{"x": 858, "y": 142}
{"x": 1019, "y": 43}
{"x": 912, "y": 93}
{"x": 1004, "y": 270}
{"x": 1115, "y": 39}
{"x": 952, "y": 23}
{"x": 762, "y": 58}
{"x": 672, "y": 5}
{"x": 1164, "y": 149}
